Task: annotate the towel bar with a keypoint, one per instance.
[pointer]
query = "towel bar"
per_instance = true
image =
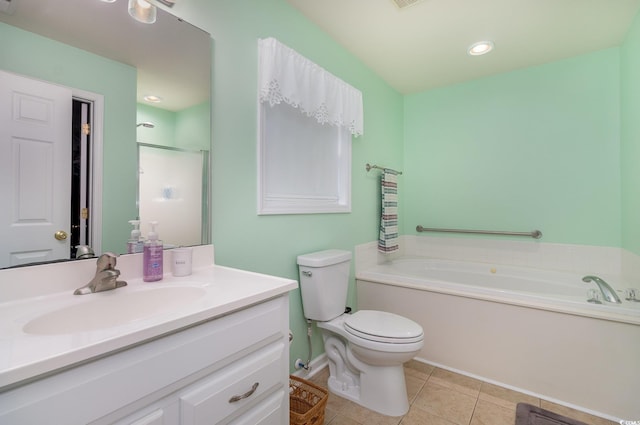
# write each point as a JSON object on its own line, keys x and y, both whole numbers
{"x": 369, "y": 167}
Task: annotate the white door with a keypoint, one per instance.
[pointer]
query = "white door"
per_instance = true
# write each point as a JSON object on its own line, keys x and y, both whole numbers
{"x": 35, "y": 170}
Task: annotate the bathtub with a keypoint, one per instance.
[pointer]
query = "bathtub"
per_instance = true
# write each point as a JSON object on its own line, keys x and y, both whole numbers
{"x": 527, "y": 329}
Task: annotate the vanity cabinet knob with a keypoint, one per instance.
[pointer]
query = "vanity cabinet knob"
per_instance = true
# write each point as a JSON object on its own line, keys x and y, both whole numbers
{"x": 245, "y": 395}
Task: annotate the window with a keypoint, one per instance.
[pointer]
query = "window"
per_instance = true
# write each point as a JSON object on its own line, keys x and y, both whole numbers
{"x": 306, "y": 118}
{"x": 305, "y": 166}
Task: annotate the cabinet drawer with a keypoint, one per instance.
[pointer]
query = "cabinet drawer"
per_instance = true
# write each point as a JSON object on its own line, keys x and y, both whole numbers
{"x": 267, "y": 412}
{"x": 249, "y": 380}
{"x": 154, "y": 418}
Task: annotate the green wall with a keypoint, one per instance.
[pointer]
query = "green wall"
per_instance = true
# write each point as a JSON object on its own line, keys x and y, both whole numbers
{"x": 58, "y": 63}
{"x": 550, "y": 147}
{"x": 537, "y": 148}
{"x": 163, "y": 133}
{"x": 270, "y": 244}
{"x": 630, "y": 138}
{"x": 187, "y": 129}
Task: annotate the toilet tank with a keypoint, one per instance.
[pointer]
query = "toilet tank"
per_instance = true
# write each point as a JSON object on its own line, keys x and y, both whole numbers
{"x": 324, "y": 281}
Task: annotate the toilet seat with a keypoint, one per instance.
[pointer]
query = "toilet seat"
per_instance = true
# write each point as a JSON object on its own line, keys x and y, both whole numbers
{"x": 382, "y": 326}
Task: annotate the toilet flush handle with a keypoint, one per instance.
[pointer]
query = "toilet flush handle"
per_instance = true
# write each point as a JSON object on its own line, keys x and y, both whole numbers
{"x": 306, "y": 273}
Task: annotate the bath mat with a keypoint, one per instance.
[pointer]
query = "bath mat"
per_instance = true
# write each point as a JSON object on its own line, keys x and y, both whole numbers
{"x": 527, "y": 414}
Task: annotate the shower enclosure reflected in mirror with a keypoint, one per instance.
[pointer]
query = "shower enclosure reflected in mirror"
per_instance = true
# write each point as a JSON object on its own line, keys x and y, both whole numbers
{"x": 172, "y": 187}
{"x": 117, "y": 61}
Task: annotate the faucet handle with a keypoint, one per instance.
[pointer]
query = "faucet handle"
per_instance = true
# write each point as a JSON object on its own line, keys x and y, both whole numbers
{"x": 631, "y": 294}
{"x": 593, "y": 296}
{"x": 107, "y": 261}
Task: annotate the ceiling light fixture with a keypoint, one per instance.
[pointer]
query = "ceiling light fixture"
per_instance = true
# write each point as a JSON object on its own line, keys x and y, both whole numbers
{"x": 142, "y": 11}
{"x": 480, "y": 48}
{"x": 152, "y": 98}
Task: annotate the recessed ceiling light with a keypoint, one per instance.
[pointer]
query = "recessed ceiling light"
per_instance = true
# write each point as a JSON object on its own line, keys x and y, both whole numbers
{"x": 142, "y": 11}
{"x": 405, "y": 3}
{"x": 480, "y": 48}
{"x": 153, "y": 99}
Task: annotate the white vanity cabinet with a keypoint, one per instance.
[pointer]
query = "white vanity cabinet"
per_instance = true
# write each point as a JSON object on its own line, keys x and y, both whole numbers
{"x": 232, "y": 369}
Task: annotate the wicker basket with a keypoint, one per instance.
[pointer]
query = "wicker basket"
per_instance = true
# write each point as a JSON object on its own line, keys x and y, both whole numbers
{"x": 306, "y": 402}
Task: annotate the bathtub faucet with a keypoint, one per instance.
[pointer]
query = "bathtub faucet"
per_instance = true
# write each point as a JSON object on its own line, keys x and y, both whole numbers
{"x": 607, "y": 291}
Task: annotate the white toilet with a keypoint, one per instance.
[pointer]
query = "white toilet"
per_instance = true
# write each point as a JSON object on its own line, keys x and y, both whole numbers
{"x": 365, "y": 349}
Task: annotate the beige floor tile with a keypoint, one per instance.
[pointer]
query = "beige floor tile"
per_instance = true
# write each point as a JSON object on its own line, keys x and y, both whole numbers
{"x": 414, "y": 385}
{"x": 455, "y": 381}
{"x": 487, "y": 413}
{"x": 418, "y": 369}
{"x": 369, "y": 417}
{"x": 440, "y": 397}
{"x": 343, "y": 420}
{"x": 339, "y": 404}
{"x": 321, "y": 377}
{"x": 329, "y": 414}
{"x": 505, "y": 397}
{"x": 417, "y": 416}
{"x": 446, "y": 403}
{"x": 575, "y": 414}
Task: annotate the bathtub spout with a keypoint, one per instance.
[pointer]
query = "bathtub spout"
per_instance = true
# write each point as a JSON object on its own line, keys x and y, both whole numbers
{"x": 607, "y": 291}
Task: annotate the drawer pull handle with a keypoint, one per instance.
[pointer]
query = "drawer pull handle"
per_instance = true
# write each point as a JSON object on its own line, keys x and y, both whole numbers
{"x": 245, "y": 395}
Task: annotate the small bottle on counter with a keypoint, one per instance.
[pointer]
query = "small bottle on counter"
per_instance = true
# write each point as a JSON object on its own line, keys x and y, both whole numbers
{"x": 135, "y": 243}
{"x": 152, "y": 256}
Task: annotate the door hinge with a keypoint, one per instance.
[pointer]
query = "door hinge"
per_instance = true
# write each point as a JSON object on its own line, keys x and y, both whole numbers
{"x": 84, "y": 213}
{"x": 86, "y": 129}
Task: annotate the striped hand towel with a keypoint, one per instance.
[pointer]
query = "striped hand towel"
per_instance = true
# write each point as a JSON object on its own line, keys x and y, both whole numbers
{"x": 388, "y": 241}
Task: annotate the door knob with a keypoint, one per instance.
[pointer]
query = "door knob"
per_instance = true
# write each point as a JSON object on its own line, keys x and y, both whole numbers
{"x": 60, "y": 235}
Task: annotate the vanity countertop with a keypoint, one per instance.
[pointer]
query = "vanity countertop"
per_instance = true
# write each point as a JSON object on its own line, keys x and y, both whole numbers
{"x": 31, "y": 346}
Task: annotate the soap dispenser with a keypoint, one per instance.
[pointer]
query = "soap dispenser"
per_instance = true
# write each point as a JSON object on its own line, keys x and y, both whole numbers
{"x": 152, "y": 256}
{"x": 135, "y": 243}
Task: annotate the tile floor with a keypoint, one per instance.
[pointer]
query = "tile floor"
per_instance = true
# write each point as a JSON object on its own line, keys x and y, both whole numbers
{"x": 440, "y": 397}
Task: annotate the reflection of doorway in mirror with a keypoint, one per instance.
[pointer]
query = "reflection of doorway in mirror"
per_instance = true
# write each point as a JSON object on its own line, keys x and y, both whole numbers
{"x": 172, "y": 186}
{"x": 81, "y": 174}
{"x": 35, "y": 145}
{"x": 41, "y": 148}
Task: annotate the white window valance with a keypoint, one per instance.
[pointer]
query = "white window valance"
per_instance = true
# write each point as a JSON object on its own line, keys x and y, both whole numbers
{"x": 286, "y": 76}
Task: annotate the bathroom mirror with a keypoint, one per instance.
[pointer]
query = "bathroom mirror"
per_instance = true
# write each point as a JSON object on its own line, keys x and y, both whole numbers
{"x": 97, "y": 49}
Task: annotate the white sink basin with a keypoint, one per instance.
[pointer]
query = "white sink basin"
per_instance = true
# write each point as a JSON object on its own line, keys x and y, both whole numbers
{"x": 112, "y": 308}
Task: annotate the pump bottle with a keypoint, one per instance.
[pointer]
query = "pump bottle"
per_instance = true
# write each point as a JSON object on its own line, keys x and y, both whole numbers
{"x": 152, "y": 256}
{"x": 135, "y": 243}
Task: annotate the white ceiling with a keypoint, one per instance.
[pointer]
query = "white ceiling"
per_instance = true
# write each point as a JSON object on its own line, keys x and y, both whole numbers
{"x": 172, "y": 57}
{"x": 424, "y": 45}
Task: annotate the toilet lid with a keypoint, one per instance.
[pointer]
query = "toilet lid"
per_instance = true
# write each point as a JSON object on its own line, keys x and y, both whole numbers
{"x": 383, "y": 327}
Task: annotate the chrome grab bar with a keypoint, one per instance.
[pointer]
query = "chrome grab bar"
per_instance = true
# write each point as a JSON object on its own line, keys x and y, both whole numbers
{"x": 535, "y": 234}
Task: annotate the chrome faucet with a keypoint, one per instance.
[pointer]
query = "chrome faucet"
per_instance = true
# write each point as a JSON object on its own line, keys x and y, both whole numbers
{"x": 84, "y": 251}
{"x": 608, "y": 293}
{"x": 106, "y": 277}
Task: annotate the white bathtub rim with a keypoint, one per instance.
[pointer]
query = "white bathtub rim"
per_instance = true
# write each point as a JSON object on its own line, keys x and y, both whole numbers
{"x": 520, "y": 390}
{"x": 568, "y": 306}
